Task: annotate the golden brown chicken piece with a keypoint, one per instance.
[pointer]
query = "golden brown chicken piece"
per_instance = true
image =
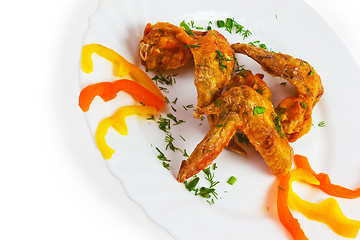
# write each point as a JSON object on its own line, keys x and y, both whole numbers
{"x": 163, "y": 47}
{"x": 245, "y": 109}
{"x": 214, "y": 63}
{"x": 295, "y": 111}
{"x": 257, "y": 83}
{"x": 166, "y": 46}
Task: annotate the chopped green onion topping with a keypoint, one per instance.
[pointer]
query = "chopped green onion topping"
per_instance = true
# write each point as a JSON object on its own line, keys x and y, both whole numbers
{"x": 312, "y": 71}
{"x": 232, "y": 180}
{"x": 259, "y": 110}
{"x": 303, "y": 105}
{"x": 220, "y": 23}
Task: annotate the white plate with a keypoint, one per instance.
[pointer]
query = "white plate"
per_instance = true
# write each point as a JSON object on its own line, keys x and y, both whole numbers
{"x": 245, "y": 210}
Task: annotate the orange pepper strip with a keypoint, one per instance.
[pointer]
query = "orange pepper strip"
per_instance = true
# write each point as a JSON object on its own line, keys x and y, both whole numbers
{"x": 108, "y": 91}
{"x": 117, "y": 121}
{"x": 327, "y": 211}
{"x": 121, "y": 66}
{"x": 325, "y": 183}
{"x": 284, "y": 213}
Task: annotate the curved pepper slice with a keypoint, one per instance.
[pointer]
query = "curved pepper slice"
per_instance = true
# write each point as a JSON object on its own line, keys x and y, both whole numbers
{"x": 325, "y": 183}
{"x": 117, "y": 121}
{"x": 108, "y": 91}
{"x": 284, "y": 213}
{"x": 327, "y": 211}
{"x": 121, "y": 66}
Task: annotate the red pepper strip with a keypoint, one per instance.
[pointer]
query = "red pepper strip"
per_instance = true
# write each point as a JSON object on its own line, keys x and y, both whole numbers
{"x": 108, "y": 91}
{"x": 284, "y": 213}
{"x": 325, "y": 183}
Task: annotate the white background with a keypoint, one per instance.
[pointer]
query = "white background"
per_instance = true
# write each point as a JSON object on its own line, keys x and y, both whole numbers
{"x": 53, "y": 182}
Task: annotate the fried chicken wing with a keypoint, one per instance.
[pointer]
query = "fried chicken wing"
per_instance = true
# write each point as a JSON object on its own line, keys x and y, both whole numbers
{"x": 295, "y": 111}
{"x": 166, "y": 46}
{"x": 257, "y": 83}
{"x": 214, "y": 63}
{"x": 245, "y": 109}
{"x": 163, "y": 47}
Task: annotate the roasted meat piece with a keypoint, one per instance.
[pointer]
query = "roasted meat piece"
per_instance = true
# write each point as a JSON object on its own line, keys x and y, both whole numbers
{"x": 166, "y": 46}
{"x": 163, "y": 47}
{"x": 245, "y": 109}
{"x": 295, "y": 111}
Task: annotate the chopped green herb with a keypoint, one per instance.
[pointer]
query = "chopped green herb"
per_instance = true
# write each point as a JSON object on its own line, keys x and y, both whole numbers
{"x": 192, "y": 184}
{"x": 151, "y": 118}
{"x": 243, "y": 138}
{"x": 281, "y": 188}
{"x": 231, "y": 180}
{"x": 312, "y": 71}
{"x": 164, "y": 160}
{"x": 221, "y": 125}
{"x": 192, "y": 46}
{"x": 239, "y": 69}
{"x": 185, "y": 153}
{"x": 214, "y": 166}
{"x": 218, "y": 102}
{"x": 167, "y": 80}
{"x": 303, "y": 105}
{"x": 186, "y": 27}
{"x": 259, "y": 110}
{"x": 221, "y": 60}
{"x": 321, "y": 124}
{"x": 277, "y": 122}
{"x": 246, "y": 34}
{"x": 172, "y": 117}
{"x": 229, "y": 24}
{"x": 220, "y": 23}
{"x": 169, "y": 139}
{"x": 283, "y": 83}
{"x": 210, "y": 177}
{"x": 262, "y": 45}
{"x": 175, "y": 101}
{"x": 164, "y": 124}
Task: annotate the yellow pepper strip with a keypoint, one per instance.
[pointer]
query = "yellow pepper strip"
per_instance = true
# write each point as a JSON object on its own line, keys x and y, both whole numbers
{"x": 327, "y": 211}
{"x": 121, "y": 66}
{"x": 117, "y": 121}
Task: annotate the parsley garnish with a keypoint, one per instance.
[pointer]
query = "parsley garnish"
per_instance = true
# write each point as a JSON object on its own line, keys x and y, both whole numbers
{"x": 187, "y": 27}
{"x": 192, "y": 46}
{"x": 165, "y": 161}
{"x": 218, "y": 102}
{"x": 220, "y": 55}
{"x": 167, "y": 80}
{"x": 259, "y": 110}
{"x": 312, "y": 71}
{"x": 277, "y": 122}
{"x": 239, "y": 69}
{"x": 164, "y": 124}
{"x": 303, "y": 105}
{"x": 243, "y": 138}
{"x": 205, "y": 192}
{"x": 321, "y": 124}
{"x": 262, "y": 45}
{"x": 220, "y": 23}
